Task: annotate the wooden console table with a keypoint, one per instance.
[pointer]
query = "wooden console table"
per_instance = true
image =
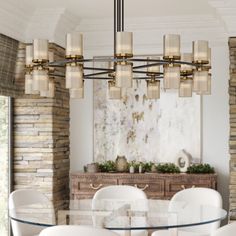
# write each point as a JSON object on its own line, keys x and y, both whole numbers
{"x": 156, "y": 186}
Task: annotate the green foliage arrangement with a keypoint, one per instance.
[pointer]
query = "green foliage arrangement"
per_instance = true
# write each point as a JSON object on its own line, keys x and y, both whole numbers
{"x": 146, "y": 166}
{"x": 135, "y": 164}
{"x": 167, "y": 168}
{"x": 107, "y": 166}
{"x": 200, "y": 169}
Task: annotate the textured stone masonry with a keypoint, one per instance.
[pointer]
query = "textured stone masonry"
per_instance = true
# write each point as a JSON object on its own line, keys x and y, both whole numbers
{"x": 232, "y": 138}
{"x": 41, "y": 136}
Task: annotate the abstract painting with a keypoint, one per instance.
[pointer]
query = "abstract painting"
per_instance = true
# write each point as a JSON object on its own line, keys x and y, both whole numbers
{"x": 142, "y": 129}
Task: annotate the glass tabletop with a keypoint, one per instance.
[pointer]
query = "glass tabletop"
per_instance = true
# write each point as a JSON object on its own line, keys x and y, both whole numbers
{"x": 118, "y": 214}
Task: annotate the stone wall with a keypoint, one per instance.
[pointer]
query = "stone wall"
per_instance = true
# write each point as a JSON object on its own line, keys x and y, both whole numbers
{"x": 41, "y": 137}
{"x": 10, "y": 63}
{"x": 232, "y": 138}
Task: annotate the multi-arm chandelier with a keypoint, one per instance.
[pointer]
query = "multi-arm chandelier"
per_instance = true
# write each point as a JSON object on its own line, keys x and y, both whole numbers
{"x": 187, "y": 72}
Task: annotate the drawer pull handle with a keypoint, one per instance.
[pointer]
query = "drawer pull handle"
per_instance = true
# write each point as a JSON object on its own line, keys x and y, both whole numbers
{"x": 95, "y": 187}
{"x": 183, "y": 186}
{"x": 144, "y": 188}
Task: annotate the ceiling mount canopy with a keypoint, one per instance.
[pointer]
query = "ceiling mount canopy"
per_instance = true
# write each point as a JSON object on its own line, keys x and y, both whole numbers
{"x": 186, "y": 72}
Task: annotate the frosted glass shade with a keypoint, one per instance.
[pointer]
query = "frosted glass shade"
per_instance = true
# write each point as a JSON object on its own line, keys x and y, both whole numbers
{"x": 186, "y": 57}
{"x": 171, "y": 77}
{"x": 124, "y": 44}
{"x": 29, "y": 55}
{"x": 74, "y": 45}
{"x": 200, "y": 81}
{"x": 40, "y": 80}
{"x": 171, "y": 46}
{"x": 185, "y": 88}
{"x": 51, "y": 56}
{"x": 28, "y": 84}
{"x": 51, "y": 90}
{"x": 200, "y": 51}
{"x": 113, "y": 91}
{"x": 153, "y": 69}
{"x": 40, "y": 50}
{"x": 77, "y": 93}
{"x": 124, "y": 75}
{"x": 208, "y": 92}
{"x": 209, "y": 59}
{"x": 74, "y": 76}
{"x": 153, "y": 89}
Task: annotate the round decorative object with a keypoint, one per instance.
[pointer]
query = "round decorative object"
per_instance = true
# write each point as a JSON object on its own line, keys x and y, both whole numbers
{"x": 183, "y": 160}
{"x": 92, "y": 168}
{"x": 121, "y": 164}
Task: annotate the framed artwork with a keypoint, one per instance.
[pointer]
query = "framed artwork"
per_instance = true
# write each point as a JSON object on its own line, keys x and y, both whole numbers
{"x": 142, "y": 129}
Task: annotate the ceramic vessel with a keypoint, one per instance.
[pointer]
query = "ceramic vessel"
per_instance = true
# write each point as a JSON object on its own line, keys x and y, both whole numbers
{"x": 121, "y": 164}
{"x": 92, "y": 168}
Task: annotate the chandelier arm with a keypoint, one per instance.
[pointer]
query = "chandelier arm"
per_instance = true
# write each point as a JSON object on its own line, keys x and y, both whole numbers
{"x": 164, "y": 61}
{"x": 147, "y": 65}
{"x": 99, "y": 73}
{"x": 99, "y": 69}
{"x": 56, "y": 75}
{"x": 108, "y": 78}
{"x": 145, "y": 72}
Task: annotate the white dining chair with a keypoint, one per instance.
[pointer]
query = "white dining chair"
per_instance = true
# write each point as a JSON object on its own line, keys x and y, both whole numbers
{"x": 123, "y": 193}
{"x": 26, "y": 197}
{"x": 194, "y": 197}
{"x": 76, "y": 230}
{"x": 227, "y": 230}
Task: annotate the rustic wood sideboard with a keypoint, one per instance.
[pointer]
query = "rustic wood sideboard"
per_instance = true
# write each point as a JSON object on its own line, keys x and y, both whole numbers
{"x": 156, "y": 186}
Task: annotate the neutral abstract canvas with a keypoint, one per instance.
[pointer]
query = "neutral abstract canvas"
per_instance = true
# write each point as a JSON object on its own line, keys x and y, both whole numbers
{"x": 142, "y": 129}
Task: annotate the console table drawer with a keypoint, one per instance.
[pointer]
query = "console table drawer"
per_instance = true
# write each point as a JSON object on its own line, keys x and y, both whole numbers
{"x": 153, "y": 188}
{"x": 173, "y": 186}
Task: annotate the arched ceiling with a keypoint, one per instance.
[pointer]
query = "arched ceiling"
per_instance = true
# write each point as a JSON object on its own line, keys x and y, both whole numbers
{"x": 27, "y": 19}
{"x": 133, "y": 8}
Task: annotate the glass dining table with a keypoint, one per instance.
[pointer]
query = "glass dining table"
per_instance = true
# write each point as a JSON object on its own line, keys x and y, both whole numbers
{"x": 119, "y": 214}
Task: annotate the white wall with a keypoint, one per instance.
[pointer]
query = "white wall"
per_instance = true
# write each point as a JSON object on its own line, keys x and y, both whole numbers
{"x": 216, "y": 120}
{"x": 215, "y": 114}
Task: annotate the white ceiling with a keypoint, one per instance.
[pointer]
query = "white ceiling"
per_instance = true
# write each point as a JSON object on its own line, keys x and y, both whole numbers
{"x": 133, "y": 8}
{"x": 52, "y": 19}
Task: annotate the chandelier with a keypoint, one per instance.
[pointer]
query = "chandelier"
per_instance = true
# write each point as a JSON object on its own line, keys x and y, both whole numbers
{"x": 186, "y": 72}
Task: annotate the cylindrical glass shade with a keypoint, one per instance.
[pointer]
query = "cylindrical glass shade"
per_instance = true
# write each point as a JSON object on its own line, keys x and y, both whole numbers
{"x": 171, "y": 46}
{"x": 28, "y": 84}
{"x": 153, "y": 69}
{"x": 74, "y": 45}
{"x": 153, "y": 89}
{"x": 200, "y": 81}
{"x": 77, "y": 93}
{"x": 74, "y": 76}
{"x": 29, "y": 55}
{"x": 208, "y": 92}
{"x": 209, "y": 59}
{"x": 114, "y": 92}
{"x": 185, "y": 88}
{"x": 186, "y": 57}
{"x": 51, "y": 90}
{"x": 124, "y": 75}
{"x": 171, "y": 77}
{"x": 200, "y": 51}
{"x": 40, "y": 80}
{"x": 40, "y": 50}
{"x": 124, "y": 44}
{"x": 51, "y": 56}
